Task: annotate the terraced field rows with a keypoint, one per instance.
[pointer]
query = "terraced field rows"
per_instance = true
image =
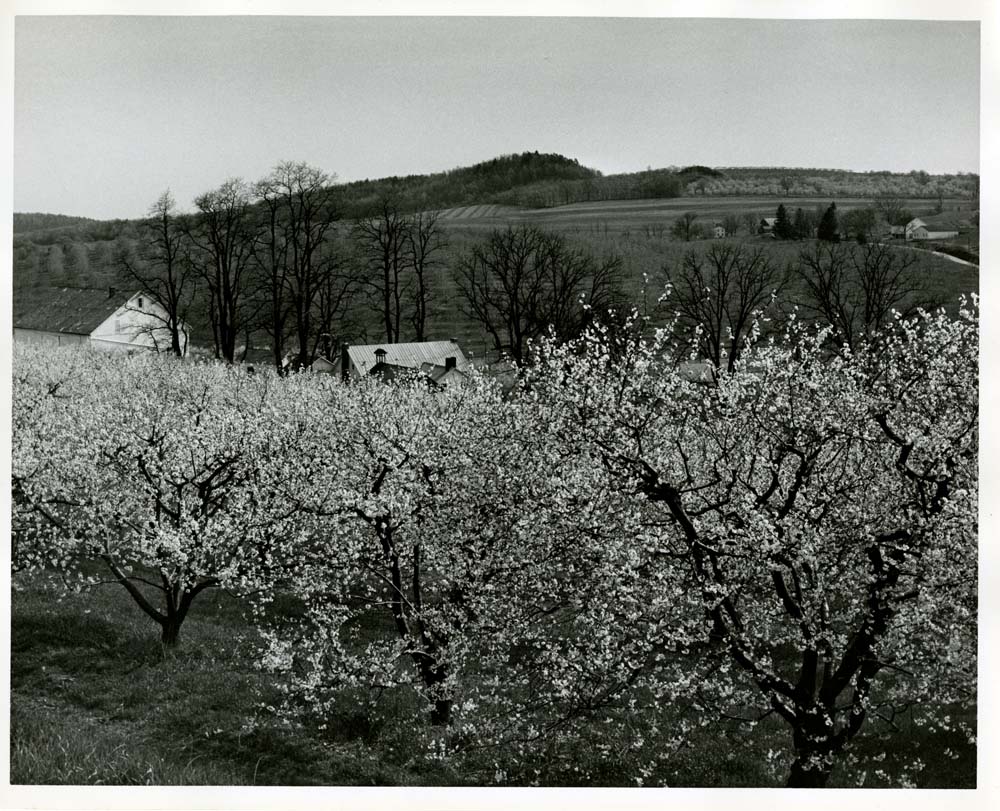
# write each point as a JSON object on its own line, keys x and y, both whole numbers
{"x": 477, "y": 212}
{"x": 625, "y": 213}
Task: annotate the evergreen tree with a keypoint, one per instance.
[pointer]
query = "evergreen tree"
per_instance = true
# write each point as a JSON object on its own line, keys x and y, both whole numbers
{"x": 829, "y": 227}
{"x": 782, "y": 225}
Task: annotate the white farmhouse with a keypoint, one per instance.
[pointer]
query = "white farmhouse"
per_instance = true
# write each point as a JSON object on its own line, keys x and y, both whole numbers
{"x": 936, "y": 229}
{"x": 99, "y": 319}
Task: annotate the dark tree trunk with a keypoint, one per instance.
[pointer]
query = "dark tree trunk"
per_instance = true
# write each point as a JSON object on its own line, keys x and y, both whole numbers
{"x": 434, "y": 675}
{"x": 803, "y": 777}
{"x": 441, "y": 714}
{"x": 170, "y": 635}
{"x": 814, "y": 751}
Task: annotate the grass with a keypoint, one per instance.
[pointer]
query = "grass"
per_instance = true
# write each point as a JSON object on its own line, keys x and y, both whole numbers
{"x": 618, "y": 214}
{"x": 644, "y": 251}
{"x": 95, "y": 699}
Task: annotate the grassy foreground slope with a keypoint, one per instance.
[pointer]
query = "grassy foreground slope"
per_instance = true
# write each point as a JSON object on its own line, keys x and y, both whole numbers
{"x": 96, "y": 700}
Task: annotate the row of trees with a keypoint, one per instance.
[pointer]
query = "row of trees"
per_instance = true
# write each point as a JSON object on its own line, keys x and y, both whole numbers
{"x": 687, "y": 228}
{"x": 275, "y": 258}
{"x": 829, "y": 183}
{"x": 251, "y": 257}
{"x": 614, "y": 545}
{"x": 863, "y": 223}
{"x": 721, "y": 296}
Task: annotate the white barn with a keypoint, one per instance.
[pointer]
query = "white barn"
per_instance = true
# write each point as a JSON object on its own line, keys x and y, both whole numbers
{"x": 919, "y": 229}
{"x": 99, "y": 319}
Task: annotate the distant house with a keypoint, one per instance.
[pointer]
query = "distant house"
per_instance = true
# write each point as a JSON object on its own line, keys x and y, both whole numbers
{"x": 391, "y": 359}
{"x": 931, "y": 228}
{"x": 500, "y": 369}
{"x": 446, "y": 374}
{"x": 767, "y": 225}
{"x": 322, "y": 364}
{"x": 897, "y": 231}
{"x": 95, "y": 318}
{"x": 718, "y": 231}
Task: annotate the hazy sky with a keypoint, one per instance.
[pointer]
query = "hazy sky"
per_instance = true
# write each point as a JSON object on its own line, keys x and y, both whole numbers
{"x": 110, "y": 111}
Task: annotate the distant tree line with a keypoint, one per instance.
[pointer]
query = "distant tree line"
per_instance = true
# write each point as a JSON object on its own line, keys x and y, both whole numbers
{"x": 736, "y": 181}
{"x": 276, "y": 263}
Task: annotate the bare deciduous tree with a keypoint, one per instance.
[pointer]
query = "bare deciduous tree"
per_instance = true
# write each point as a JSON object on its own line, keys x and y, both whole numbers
{"x": 751, "y": 221}
{"x": 716, "y": 294}
{"x": 684, "y": 226}
{"x": 223, "y": 236}
{"x": 297, "y": 250}
{"x": 382, "y": 238}
{"x": 523, "y": 281}
{"x": 423, "y": 240}
{"x": 732, "y": 225}
{"x": 856, "y": 288}
{"x": 163, "y": 271}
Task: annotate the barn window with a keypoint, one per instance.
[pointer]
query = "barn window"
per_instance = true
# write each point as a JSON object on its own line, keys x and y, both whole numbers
{"x": 140, "y": 302}
{"x": 118, "y": 326}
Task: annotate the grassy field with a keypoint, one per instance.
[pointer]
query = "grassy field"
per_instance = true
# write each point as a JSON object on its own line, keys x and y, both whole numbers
{"x": 96, "y": 700}
{"x": 638, "y": 232}
{"x": 636, "y": 214}
{"x": 635, "y": 230}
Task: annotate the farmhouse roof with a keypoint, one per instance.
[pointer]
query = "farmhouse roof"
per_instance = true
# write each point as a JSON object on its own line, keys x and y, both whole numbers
{"x": 946, "y": 221}
{"x": 411, "y": 356}
{"x": 70, "y": 310}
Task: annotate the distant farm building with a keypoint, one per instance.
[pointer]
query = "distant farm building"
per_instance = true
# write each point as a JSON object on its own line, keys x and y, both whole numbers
{"x": 322, "y": 364}
{"x": 95, "y": 318}
{"x": 767, "y": 225}
{"x": 718, "y": 231}
{"x": 931, "y": 228}
{"x": 441, "y": 361}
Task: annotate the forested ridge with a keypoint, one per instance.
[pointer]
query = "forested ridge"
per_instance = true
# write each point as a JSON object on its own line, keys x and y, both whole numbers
{"x": 545, "y": 179}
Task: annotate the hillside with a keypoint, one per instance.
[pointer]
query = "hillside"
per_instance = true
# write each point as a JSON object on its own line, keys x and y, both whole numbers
{"x": 508, "y": 179}
{"x": 36, "y": 221}
{"x": 629, "y": 214}
{"x": 544, "y": 180}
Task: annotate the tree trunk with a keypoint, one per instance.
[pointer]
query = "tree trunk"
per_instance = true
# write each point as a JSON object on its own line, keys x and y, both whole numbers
{"x": 803, "y": 777}
{"x": 813, "y": 754}
{"x": 441, "y": 714}
{"x": 170, "y": 634}
{"x": 434, "y": 675}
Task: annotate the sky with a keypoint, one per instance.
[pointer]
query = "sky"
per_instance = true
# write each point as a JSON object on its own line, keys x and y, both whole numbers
{"x": 110, "y": 111}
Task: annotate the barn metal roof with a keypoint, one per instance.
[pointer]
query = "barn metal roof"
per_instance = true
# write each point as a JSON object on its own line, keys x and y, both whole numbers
{"x": 412, "y": 356}
{"x": 71, "y": 310}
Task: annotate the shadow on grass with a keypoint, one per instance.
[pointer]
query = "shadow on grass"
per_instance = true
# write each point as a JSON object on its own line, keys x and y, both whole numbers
{"x": 75, "y": 644}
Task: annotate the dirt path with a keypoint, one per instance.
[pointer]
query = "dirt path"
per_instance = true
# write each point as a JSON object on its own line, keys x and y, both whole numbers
{"x": 947, "y": 256}
{"x": 951, "y": 258}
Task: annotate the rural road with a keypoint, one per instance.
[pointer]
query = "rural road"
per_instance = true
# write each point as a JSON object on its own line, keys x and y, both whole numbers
{"x": 951, "y": 258}
{"x": 947, "y": 256}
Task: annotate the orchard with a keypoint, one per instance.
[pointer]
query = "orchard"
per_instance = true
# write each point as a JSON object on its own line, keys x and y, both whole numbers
{"x": 564, "y": 567}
